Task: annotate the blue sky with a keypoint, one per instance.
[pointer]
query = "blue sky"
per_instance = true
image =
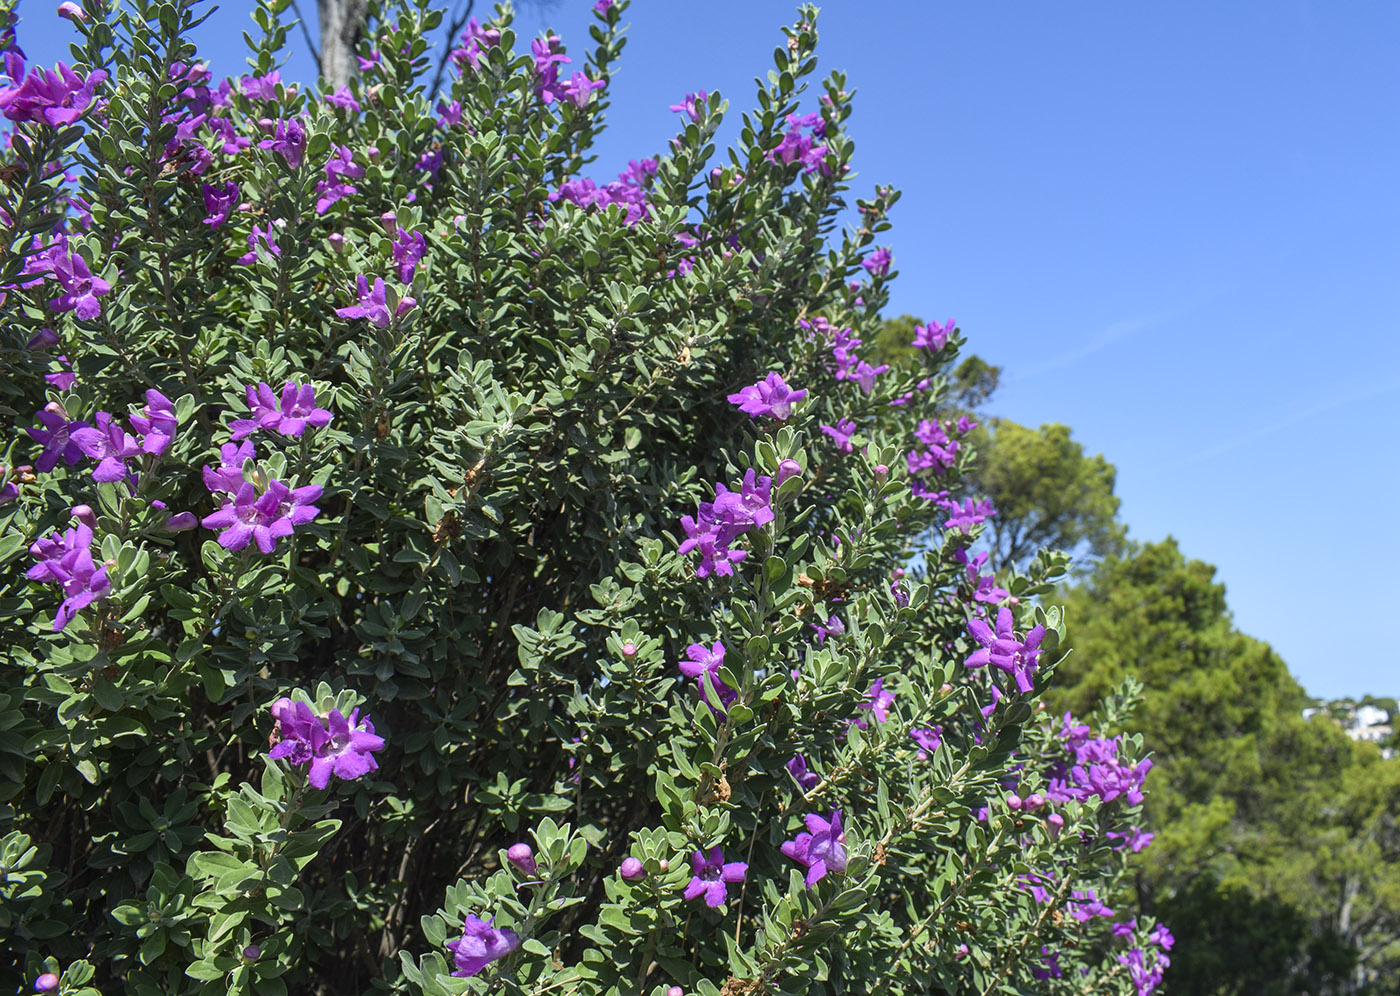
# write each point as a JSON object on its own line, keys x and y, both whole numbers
{"x": 1174, "y": 225}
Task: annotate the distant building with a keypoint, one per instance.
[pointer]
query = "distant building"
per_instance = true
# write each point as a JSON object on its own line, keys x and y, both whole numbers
{"x": 1369, "y": 723}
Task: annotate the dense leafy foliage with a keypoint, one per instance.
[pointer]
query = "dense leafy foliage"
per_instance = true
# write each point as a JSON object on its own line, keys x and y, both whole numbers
{"x": 1279, "y": 837}
{"x": 398, "y": 601}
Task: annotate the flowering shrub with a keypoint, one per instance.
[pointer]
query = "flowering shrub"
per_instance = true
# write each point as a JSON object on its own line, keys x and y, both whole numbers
{"x": 374, "y": 403}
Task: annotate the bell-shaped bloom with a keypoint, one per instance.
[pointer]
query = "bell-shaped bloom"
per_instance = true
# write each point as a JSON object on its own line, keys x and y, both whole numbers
{"x": 333, "y": 745}
{"x": 220, "y": 202}
{"x": 65, "y": 559}
{"x": 932, "y": 336}
{"x": 80, "y": 288}
{"x": 822, "y": 849}
{"x": 409, "y": 248}
{"x": 297, "y": 410}
{"x": 481, "y": 944}
{"x": 1002, "y": 649}
{"x": 56, "y": 98}
{"x": 703, "y": 665}
{"x": 263, "y": 519}
{"x": 288, "y": 140}
{"x": 712, "y": 876}
{"x": 770, "y": 396}
{"x": 156, "y": 423}
{"x": 108, "y": 443}
{"x": 841, "y": 433}
{"x": 806, "y": 780}
{"x": 55, "y": 435}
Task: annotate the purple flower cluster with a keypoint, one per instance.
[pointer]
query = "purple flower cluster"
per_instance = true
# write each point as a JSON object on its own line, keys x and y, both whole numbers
{"x": 703, "y": 665}
{"x": 770, "y": 396}
{"x": 941, "y": 452}
{"x": 1147, "y": 976}
{"x": 81, "y": 289}
{"x": 481, "y": 944}
{"x": 800, "y": 148}
{"x": 963, "y": 517}
{"x": 877, "y": 704}
{"x": 65, "y": 559}
{"x": 929, "y": 740}
{"x": 719, "y": 523}
{"x": 981, "y": 587}
{"x": 1093, "y": 768}
{"x": 295, "y": 413}
{"x": 841, "y": 434}
{"x": 55, "y": 98}
{"x": 474, "y": 43}
{"x": 692, "y": 105}
{"x": 877, "y": 264}
{"x": 1018, "y": 657}
{"x": 933, "y": 336}
{"x": 629, "y": 191}
{"x": 250, "y": 517}
{"x": 375, "y": 304}
{"x": 847, "y": 365}
{"x": 333, "y": 745}
{"x": 822, "y": 849}
{"x": 340, "y": 168}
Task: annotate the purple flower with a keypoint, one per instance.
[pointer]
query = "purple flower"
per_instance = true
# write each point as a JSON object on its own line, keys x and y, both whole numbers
{"x": 298, "y": 410}
{"x": 475, "y": 41}
{"x": 932, "y": 336}
{"x": 481, "y": 944}
{"x": 80, "y": 288}
{"x": 632, "y": 869}
{"x": 602, "y": 6}
{"x": 288, "y": 140}
{"x": 220, "y": 203}
{"x": 229, "y": 477}
{"x": 156, "y": 423}
{"x": 374, "y": 304}
{"x": 43, "y": 339}
{"x": 1144, "y": 979}
{"x": 832, "y": 627}
{"x": 880, "y": 701}
{"x": 712, "y": 876}
{"x": 261, "y": 87}
{"x": 1125, "y": 929}
{"x": 409, "y": 248}
{"x": 962, "y": 518}
{"x": 332, "y": 745}
{"x": 692, "y": 105}
{"x": 821, "y": 849}
{"x": 878, "y": 262}
{"x": 864, "y": 375}
{"x": 56, "y": 98}
{"x": 66, "y": 559}
{"x": 343, "y": 99}
{"x": 269, "y": 241}
{"x": 984, "y": 587}
{"x": 56, "y": 436}
{"x": 1136, "y": 838}
{"x": 523, "y": 857}
{"x": 770, "y": 396}
{"x": 806, "y": 780}
{"x": 713, "y": 543}
{"x": 1052, "y": 965}
{"x": 1017, "y": 657}
{"x": 703, "y": 665}
{"x": 249, "y": 517}
{"x": 328, "y": 192}
{"x": 547, "y": 62}
{"x": 579, "y": 90}
{"x": 929, "y": 740}
{"x": 109, "y": 444}
{"x": 748, "y": 508}
{"x": 787, "y": 470}
{"x": 1086, "y": 906}
{"x": 841, "y": 432}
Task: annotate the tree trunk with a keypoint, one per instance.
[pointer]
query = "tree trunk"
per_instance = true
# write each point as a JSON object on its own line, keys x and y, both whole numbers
{"x": 342, "y": 23}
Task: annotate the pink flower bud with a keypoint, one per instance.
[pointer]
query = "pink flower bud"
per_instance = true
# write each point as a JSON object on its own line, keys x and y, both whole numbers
{"x": 1013, "y": 801}
{"x": 71, "y": 11}
{"x": 85, "y": 515}
{"x": 882, "y": 473}
{"x": 390, "y": 221}
{"x": 181, "y": 521}
{"x": 897, "y": 573}
{"x": 522, "y": 857}
{"x": 945, "y": 689}
{"x": 337, "y": 242}
{"x": 664, "y": 865}
{"x": 787, "y": 469}
{"x": 961, "y": 953}
{"x": 1034, "y": 802}
{"x": 1055, "y": 822}
{"x": 632, "y": 870}
{"x": 629, "y": 650}
{"x": 675, "y": 991}
{"x": 252, "y": 952}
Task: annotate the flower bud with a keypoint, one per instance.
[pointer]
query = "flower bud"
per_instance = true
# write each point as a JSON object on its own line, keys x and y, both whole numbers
{"x": 901, "y": 594}
{"x": 252, "y": 952}
{"x": 629, "y": 650}
{"x": 181, "y": 521}
{"x": 961, "y": 953}
{"x": 43, "y": 339}
{"x": 390, "y": 221}
{"x": 71, "y": 11}
{"x": 897, "y": 573}
{"x": 631, "y": 869}
{"x": 787, "y": 469}
{"x": 1013, "y": 801}
{"x": 337, "y": 242}
{"x": 882, "y": 473}
{"x": 1055, "y": 822}
{"x": 85, "y": 515}
{"x": 522, "y": 857}
{"x": 716, "y": 178}
{"x": 945, "y": 689}
{"x": 675, "y": 991}
{"x": 46, "y": 983}
{"x": 664, "y": 865}
{"x": 1034, "y": 801}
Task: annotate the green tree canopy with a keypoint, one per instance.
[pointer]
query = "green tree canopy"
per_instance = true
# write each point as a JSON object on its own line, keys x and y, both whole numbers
{"x": 1046, "y": 491}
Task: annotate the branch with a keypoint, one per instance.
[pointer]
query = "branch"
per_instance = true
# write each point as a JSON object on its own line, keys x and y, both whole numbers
{"x": 310, "y": 42}
{"x": 457, "y": 24}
